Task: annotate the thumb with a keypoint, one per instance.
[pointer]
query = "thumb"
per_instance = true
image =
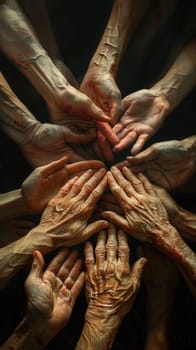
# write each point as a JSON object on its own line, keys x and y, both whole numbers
{"x": 37, "y": 264}
{"x": 138, "y": 268}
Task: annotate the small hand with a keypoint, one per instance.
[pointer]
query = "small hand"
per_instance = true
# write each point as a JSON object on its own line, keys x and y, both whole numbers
{"x": 167, "y": 164}
{"x": 45, "y": 181}
{"x": 144, "y": 214}
{"x": 102, "y": 89}
{"x": 51, "y": 294}
{"x": 111, "y": 285}
{"x": 65, "y": 220}
{"x": 144, "y": 112}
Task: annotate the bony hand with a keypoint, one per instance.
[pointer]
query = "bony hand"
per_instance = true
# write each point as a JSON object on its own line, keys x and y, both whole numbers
{"x": 51, "y": 295}
{"x": 167, "y": 164}
{"x": 111, "y": 284}
{"x": 101, "y": 87}
{"x": 144, "y": 113}
{"x": 144, "y": 217}
{"x": 45, "y": 181}
{"x": 47, "y": 142}
{"x": 65, "y": 221}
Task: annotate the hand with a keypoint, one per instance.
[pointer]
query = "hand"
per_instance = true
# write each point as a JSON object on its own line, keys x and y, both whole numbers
{"x": 51, "y": 295}
{"x": 144, "y": 215}
{"x": 144, "y": 113}
{"x": 167, "y": 164}
{"x": 14, "y": 229}
{"x": 111, "y": 285}
{"x": 65, "y": 219}
{"x": 102, "y": 89}
{"x": 45, "y": 181}
{"x": 47, "y": 142}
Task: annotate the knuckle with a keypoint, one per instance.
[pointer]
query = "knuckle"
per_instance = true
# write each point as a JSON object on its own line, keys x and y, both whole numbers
{"x": 100, "y": 251}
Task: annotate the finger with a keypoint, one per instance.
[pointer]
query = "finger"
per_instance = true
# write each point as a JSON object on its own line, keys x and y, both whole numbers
{"x": 109, "y": 134}
{"x": 65, "y": 189}
{"x": 123, "y": 248}
{"x": 125, "y": 142}
{"x": 117, "y": 128}
{"x": 97, "y": 192}
{"x": 122, "y": 181}
{"x": 116, "y": 219}
{"x": 89, "y": 257}
{"x": 147, "y": 184}
{"x": 90, "y": 186}
{"x": 53, "y": 167}
{"x": 95, "y": 113}
{"x": 139, "y": 144}
{"x": 138, "y": 268}
{"x": 67, "y": 264}
{"x": 111, "y": 245}
{"x": 116, "y": 110}
{"x": 104, "y": 147}
{"x": 122, "y": 164}
{"x": 100, "y": 249}
{"x": 37, "y": 265}
{"x": 117, "y": 191}
{"x": 146, "y": 155}
{"x": 84, "y": 165}
{"x": 78, "y": 185}
{"x": 74, "y": 273}
{"x": 57, "y": 261}
{"x": 134, "y": 181}
{"x": 78, "y": 285}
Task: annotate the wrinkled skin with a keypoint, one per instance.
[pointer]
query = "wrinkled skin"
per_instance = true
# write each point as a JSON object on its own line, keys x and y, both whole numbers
{"x": 44, "y": 182}
{"x": 49, "y": 142}
{"x": 111, "y": 284}
{"x": 167, "y": 164}
{"x": 101, "y": 87}
{"x": 51, "y": 294}
{"x": 144, "y": 113}
{"x": 144, "y": 214}
{"x": 66, "y": 217}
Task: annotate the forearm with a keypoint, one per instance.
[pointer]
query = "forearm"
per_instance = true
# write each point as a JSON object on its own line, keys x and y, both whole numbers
{"x": 20, "y": 44}
{"x": 12, "y": 205}
{"x": 187, "y": 225}
{"x": 181, "y": 77}
{"x": 97, "y": 333}
{"x": 17, "y": 255}
{"x": 124, "y": 19}
{"x": 23, "y": 339}
{"x": 15, "y": 119}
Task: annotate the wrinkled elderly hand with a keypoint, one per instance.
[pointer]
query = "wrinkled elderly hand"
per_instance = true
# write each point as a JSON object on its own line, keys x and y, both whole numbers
{"x": 167, "y": 164}
{"x": 101, "y": 87}
{"x": 111, "y": 285}
{"x": 51, "y": 295}
{"x": 144, "y": 112}
{"x": 65, "y": 221}
{"x": 144, "y": 214}
{"x": 45, "y": 181}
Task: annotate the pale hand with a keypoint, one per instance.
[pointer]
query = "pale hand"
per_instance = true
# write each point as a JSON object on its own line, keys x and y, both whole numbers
{"x": 144, "y": 113}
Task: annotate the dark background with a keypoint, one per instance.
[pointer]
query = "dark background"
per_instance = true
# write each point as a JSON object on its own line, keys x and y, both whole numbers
{"x": 78, "y": 26}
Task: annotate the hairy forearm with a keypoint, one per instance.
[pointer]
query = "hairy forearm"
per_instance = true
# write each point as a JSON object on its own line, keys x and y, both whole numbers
{"x": 17, "y": 255}
{"x": 181, "y": 77}
{"x": 12, "y": 205}
{"x": 20, "y": 44}
{"x": 15, "y": 119}
{"x": 124, "y": 19}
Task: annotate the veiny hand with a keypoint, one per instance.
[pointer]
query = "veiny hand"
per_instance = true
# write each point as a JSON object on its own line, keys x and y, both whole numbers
{"x": 48, "y": 142}
{"x": 51, "y": 295}
{"x": 144, "y": 214}
{"x": 65, "y": 220}
{"x": 167, "y": 164}
{"x": 111, "y": 285}
{"x": 102, "y": 89}
{"x": 144, "y": 112}
{"x": 45, "y": 181}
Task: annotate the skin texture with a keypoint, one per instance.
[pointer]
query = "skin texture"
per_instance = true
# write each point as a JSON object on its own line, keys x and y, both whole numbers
{"x": 167, "y": 164}
{"x": 64, "y": 222}
{"x": 143, "y": 114}
{"x": 161, "y": 278}
{"x": 51, "y": 296}
{"x": 146, "y": 219}
{"x": 111, "y": 288}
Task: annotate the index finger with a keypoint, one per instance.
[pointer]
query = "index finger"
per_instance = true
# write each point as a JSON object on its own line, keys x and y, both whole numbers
{"x": 84, "y": 165}
{"x": 108, "y": 132}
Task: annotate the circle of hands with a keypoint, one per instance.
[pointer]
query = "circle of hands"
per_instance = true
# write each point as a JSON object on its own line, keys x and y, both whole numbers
{"x": 79, "y": 198}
